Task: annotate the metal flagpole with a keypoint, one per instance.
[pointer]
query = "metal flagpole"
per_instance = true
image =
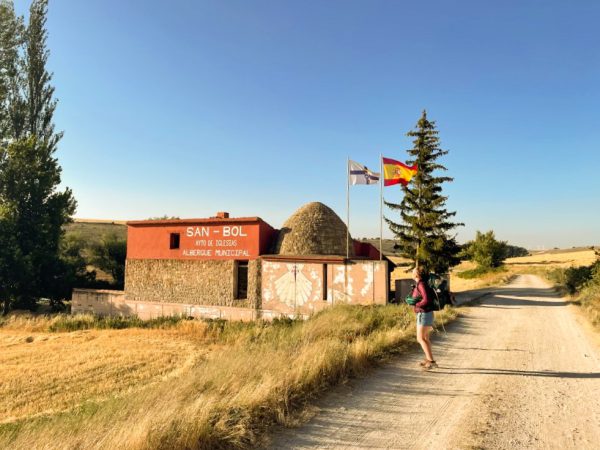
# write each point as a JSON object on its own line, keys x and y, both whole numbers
{"x": 380, "y": 207}
{"x": 419, "y": 237}
{"x": 348, "y": 208}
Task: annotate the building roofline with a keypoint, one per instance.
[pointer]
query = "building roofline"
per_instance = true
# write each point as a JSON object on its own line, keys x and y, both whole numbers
{"x": 305, "y": 258}
{"x": 198, "y": 221}
{"x": 314, "y": 258}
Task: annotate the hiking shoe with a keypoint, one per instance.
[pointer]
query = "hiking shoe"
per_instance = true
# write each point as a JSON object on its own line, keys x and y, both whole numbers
{"x": 429, "y": 365}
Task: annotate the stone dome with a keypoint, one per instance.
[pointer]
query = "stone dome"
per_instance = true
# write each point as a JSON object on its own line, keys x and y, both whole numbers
{"x": 314, "y": 229}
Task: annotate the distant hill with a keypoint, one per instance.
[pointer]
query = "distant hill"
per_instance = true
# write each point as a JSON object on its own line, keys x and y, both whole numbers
{"x": 92, "y": 231}
{"x": 564, "y": 250}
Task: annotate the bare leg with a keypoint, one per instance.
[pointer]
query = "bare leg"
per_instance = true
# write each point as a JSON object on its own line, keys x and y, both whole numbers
{"x": 423, "y": 338}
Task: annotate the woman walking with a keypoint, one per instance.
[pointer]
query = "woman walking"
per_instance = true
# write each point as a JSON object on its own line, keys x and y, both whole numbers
{"x": 424, "y": 310}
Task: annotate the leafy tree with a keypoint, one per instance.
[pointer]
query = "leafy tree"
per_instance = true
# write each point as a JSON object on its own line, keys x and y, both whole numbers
{"x": 110, "y": 255}
{"x": 12, "y": 81}
{"x": 72, "y": 268}
{"x": 33, "y": 209}
{"x": 485, "y": 250}
{"x": 163, "y": 217}
{"x": 513, "y": 251}
{"x": 423, "y": 234}
{"x": 29, "y": 176}
{"x": 39, "y": 92}
{"x": 10, "y": 260}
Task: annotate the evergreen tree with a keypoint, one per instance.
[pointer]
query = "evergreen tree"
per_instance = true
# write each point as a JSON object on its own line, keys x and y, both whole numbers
{"x": 423, "y": 234}
{"x": 33, "y": 210}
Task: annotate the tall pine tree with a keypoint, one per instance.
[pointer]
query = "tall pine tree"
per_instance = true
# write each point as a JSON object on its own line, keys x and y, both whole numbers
{"x": 423, "y": 234}
{"x": 32, "y": 209}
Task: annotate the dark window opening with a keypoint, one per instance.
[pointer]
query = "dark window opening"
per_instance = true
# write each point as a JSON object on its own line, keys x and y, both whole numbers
{"x": 242, "y": 280}
{"x": 174, "y": 241}
{"x": 325, "y": 282}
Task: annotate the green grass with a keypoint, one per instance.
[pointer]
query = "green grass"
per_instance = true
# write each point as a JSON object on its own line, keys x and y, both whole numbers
{"x": 63, "y": 323}
{"x": 67, "y": 323}
{"x": 480, "y": 271}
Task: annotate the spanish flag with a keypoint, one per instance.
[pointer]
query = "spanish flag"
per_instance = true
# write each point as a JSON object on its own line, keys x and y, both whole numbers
{"x": 395, "y": 172}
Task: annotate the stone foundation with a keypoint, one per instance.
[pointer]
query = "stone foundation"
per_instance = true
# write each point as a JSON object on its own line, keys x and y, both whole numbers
{"x": 115, "y": 303}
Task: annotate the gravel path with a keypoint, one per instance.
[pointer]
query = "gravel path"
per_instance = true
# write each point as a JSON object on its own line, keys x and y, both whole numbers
{"x": 520, "y": 370}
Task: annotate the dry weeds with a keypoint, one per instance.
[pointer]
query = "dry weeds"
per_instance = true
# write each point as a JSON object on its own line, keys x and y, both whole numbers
{"x": 195, "y": 385}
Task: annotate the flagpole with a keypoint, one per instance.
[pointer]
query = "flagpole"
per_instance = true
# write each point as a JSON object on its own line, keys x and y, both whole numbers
{"x": 380, "y": 207}
{"x": 348, "y": 208}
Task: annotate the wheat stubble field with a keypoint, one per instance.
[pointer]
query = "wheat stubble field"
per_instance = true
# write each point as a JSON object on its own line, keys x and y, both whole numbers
{"x": 43, "y": 373}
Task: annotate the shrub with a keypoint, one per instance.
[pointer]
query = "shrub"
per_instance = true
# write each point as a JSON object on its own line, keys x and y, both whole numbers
{"x": 572, "y": 279}
{"x": 485, "y": 250}
{"x": 479, "y": 271}
{"x": 110, "y": 255}
{"x": 513, "y": 251}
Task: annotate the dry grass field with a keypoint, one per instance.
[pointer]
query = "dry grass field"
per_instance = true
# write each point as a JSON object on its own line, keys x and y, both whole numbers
{"x": 191, "y": 385}
{"x": 43, "y": 373}
{"x": 196, "y": 384}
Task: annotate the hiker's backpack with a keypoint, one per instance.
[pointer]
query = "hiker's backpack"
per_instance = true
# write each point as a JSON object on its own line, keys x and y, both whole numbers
{"x": 438, "y": 286}
{"x": 437, "y": 290}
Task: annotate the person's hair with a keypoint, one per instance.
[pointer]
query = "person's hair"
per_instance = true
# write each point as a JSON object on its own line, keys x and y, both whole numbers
{"x": 421, "y": 272}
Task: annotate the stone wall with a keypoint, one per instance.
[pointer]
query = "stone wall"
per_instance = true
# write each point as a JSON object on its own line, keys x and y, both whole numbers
{"x": 189, "y": 282}
{"x": 114, "y": 303}
{"x": 254, "y": 283}
{"x": 95, "y": 301}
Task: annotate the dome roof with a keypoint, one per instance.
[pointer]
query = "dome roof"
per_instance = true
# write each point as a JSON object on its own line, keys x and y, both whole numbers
{"x": 314, "y": 229}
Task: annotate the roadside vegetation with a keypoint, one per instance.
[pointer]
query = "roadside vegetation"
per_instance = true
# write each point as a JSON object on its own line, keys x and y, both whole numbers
{"x": 66, "y": 322}
{"x": 574, "y": 273}
{"x": 582, "y": 283}
{"x": 185, "y": 383}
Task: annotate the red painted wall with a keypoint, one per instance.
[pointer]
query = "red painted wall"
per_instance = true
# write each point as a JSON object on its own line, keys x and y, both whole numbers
{"x": 206, "y": 239}
{"x": 366, "y": 250}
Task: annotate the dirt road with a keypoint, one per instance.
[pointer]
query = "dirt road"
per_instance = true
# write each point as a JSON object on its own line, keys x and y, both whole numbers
{"x": 521, "y": 370}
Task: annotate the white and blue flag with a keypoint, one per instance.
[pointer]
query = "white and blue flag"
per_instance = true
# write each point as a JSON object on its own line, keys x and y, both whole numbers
{"x": 359, "y": 174}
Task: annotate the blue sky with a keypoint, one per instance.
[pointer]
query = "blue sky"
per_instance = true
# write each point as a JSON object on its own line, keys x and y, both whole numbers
{"x": 186, "y": 108}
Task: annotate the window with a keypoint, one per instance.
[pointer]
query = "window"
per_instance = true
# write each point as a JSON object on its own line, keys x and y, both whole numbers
{"x": 325, "y": 282}
{"x": 174, "y": 241}
{"x": 242, "y": 280}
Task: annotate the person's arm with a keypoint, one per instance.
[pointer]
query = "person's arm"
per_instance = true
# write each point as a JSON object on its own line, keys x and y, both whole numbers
{"x": 425, "y": 298}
